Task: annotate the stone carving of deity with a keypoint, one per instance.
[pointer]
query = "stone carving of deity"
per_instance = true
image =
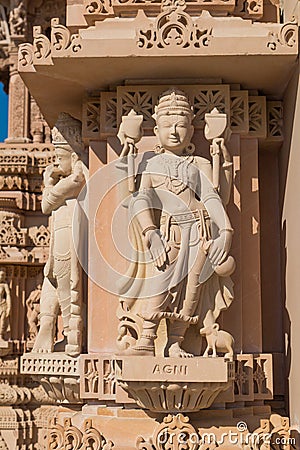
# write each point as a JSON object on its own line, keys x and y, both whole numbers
{"x": 33, "y": 311}
{"x": 182, "y": 236}
{"x": 61, "y": 290}
{"x": 5, "y": 306}
{"x": 17, "y": 19}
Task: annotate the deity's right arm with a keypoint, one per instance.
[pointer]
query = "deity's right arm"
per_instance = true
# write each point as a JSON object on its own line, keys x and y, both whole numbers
{"x": 142, "y": 204}
{"x": 54, "y": 195}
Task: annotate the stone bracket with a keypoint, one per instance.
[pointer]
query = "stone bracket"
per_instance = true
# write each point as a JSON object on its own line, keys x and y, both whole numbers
{"x": 106, "y": 377}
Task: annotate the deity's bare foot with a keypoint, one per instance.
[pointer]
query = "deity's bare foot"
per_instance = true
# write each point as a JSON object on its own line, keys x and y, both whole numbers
{"x": 175, "y": 351}
{"x": 43, "y": 343}
{"x": 44, "y": 339}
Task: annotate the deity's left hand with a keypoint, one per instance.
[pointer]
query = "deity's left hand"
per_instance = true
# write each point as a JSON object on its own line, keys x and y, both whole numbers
{"x": 219, "y": 248}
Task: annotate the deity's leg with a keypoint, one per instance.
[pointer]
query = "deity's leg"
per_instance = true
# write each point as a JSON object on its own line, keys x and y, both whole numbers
{"x": 48, "y": 314}
{"x": 64, "y": 296}
{"x": 154, "y": 307}
{"x": 177, "y": 329}
{"x": 2, "y": 323}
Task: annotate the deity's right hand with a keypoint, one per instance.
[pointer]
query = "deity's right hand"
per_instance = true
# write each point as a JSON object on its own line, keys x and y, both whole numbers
{"x": 51, "y": 175}
{"x": 158, "y": 248}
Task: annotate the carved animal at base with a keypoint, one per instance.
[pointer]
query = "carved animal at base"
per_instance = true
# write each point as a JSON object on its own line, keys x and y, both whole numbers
{"x": 217, "y": 341}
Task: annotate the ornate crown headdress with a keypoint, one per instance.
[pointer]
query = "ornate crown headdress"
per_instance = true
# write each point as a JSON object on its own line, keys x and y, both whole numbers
{"x": 173, "y": 101}
{"x": 67, "y": 134}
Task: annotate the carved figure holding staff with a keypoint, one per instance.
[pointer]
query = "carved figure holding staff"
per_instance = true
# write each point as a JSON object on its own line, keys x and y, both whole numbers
{"x": 181, "y": 235}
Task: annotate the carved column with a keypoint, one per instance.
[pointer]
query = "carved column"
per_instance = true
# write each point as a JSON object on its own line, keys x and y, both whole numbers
{"x": 18, "y": 110}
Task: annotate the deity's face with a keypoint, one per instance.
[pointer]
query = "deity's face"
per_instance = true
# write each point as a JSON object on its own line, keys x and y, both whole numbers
{"x": 63, "y": 161}
{"x": 2, "y": 276}
{"x": 174, "y": 132}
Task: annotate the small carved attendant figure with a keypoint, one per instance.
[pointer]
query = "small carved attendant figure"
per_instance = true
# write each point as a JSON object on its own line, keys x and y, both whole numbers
{"x": 178, "y": 219}
{"x": 17, "y": 19}
{"x": 5, "y": 306}
{"x": 61, "y": 288}
{"x": 33, "y": 311}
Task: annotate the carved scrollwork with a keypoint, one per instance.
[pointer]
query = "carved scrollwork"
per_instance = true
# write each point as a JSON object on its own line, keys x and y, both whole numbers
{"x": 98, "y": 7}
{"x": 179, "y": 425}
{"x": 286, "y": 37}
{"x": 73, "y": 436}
{"x": 55, "y": 436}
{"x": 92, "y": 439}
{"x": 61, "y": 38}
{"x": 250, "y": 9}
{"x": 40, "y": 236}
{"x": 69, "y": 437}
{"x": 11, "y": 233}
{"x": 41, "y": 44}
{"x": 174, "y": 28}
{"x": 25, "y": 56}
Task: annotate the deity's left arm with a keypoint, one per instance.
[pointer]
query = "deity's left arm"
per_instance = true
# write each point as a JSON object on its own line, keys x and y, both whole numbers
{"x": 226, "y": 175}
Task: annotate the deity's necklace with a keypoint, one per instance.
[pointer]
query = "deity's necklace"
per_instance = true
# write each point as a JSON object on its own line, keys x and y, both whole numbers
{"x": 176, "y": 168}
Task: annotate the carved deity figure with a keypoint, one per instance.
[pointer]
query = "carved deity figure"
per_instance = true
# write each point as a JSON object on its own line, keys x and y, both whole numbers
{"x": 33, "y": 311}
{"x": 61, "y": 290}
{"x": 17, "y": 19}
{"x": 5, "y": 306}
{"x": 181, "y": 236}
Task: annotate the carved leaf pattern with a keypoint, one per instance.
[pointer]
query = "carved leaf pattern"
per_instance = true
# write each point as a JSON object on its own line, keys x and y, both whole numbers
{"x": 111, "y": 113}
{"x": 237, "y": 111}
{"x": 206, "y": 101}
{"x": 92, "y": 116}
{"x": 140, "y": 101}
{"x": 275, "y": 120}
{"x": 255, "y": 116}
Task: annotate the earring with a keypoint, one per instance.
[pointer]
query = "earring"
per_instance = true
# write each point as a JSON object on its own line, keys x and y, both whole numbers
{"x": 189, "y": 150}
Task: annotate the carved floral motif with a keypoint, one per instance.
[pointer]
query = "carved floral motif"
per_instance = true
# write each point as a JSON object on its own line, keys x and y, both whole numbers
{"x": 174, "y": 28}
